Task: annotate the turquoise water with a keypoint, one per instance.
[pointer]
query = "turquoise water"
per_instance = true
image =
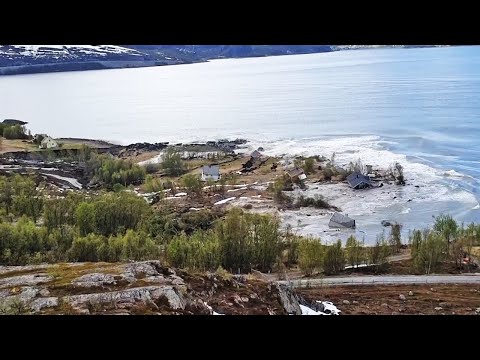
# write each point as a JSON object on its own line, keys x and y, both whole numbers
{"x": 417, "y": 106}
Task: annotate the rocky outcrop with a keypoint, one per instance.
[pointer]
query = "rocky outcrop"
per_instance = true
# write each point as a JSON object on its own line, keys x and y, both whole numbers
{"x": 288, "y": 299}
{"x": 150, "y": 295}
{"x": 146, "y": 287}
{"x": 24, "y": 280}
{"x": 93, "y": 280}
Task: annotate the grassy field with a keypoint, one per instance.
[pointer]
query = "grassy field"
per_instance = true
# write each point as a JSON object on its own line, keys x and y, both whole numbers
{"x": 7, "y": 145}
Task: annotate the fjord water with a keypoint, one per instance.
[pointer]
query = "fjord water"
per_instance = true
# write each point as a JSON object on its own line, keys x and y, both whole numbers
{"x": 417, "y": 106}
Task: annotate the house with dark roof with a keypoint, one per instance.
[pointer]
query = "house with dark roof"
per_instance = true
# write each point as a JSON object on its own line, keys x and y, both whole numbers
{"x": 211, "y": 172}
{"x": 338, "y": 220}
{"x": 359, "y": 181}
{"x": 297, "y": 174}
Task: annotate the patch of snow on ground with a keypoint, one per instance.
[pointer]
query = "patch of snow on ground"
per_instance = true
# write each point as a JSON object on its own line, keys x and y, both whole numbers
{"x": 72, "y": 181}
{"x": 210, "y": 308}
{"x": 224, "y": 201}
{"x": 329, "y": 309}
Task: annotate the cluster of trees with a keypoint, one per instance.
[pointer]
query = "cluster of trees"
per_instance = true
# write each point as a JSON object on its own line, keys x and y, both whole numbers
{"x": 14, "y": 131}
{"x": 121, "y": 226}
{"x": 23, "y": 243}
{"x": 79, "y": 229}
{"x": 110, "y": 171}
{"x": 19, "y": 196}
{"x": 313, "y": 256}
{"x": 238, "y": 244}
{"x": 447, "y": 241}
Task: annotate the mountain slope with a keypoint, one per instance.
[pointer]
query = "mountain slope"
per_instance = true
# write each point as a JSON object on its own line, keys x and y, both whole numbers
{"x": 24, "y": 59}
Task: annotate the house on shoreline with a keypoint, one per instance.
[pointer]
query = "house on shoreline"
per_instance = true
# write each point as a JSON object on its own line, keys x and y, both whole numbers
{"x": 297, "y": 174}
{"x": 359, "y": 181}
{"x": 210, "y": 172}
{"x": 48, "y": 143}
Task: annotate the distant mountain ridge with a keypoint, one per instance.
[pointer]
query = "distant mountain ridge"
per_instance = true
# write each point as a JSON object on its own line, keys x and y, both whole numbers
{"x": 24, "y": 59}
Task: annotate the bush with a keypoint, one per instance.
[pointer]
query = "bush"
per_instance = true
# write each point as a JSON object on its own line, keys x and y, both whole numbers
{"x": 152, "y": 168}
{"x": 317, "y": 202}
{"x": 309, "y": 165}
{"x": 192, "y": 183}
{"x": 152, "y": 185}
{"x": 281, "y": 184}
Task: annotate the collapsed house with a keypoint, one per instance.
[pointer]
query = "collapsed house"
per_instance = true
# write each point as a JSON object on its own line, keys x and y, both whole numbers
{"x": 210, "y": 172}
{"x": 340, "y": 221}
{"x": 359, "y": 181}
{"x": 297, "y": 174}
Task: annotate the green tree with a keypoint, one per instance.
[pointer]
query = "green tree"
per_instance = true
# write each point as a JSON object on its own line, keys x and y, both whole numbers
{"x": 266, "y": 239}
{"x": 85, "y": 217}
{"x": 334, "y": 259}
{"x": 428, "y": 251}
{"x": 354, "y": 251}
{"x": 172, "y": 162}
{"x": 378, "y": 254}
{"x": 235, "y": 242}
{"x": 6, "y": 194}
{"x": 310, "y": 255}
{"x": 395, "y": 238}
{"x": 447, "y": 227}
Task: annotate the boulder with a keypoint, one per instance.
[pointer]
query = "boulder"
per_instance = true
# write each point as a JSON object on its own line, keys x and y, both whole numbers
{"x": 143, "y": 269}
{"x": 402, "y": 297}
{"x": 346, "y": 302}
{"x": 44, "y": 292}
{"x": 438, "y": 308}
{"x": 410, "y": 293}
{"x": 28, "y": 293}
{"x": 41, "y": 303}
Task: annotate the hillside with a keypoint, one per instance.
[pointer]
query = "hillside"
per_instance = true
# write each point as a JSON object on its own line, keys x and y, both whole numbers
{"x": 25, "y": 59}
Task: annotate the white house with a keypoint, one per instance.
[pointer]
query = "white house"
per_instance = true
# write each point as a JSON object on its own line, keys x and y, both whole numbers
{"x": 48, "y": 143}
{"x": 211, "y": 172}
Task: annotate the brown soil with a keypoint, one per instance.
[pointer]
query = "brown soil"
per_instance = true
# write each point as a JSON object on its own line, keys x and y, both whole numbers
{"x": 385, "y": 299}
{"x": 7, "y": 145}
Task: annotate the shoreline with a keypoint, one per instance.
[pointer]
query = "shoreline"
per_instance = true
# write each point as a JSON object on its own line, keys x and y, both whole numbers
{"x": 414, "y": 205}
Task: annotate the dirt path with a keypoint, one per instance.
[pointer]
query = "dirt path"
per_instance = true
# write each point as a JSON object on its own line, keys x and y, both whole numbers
{"x": 386, "y": 280}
